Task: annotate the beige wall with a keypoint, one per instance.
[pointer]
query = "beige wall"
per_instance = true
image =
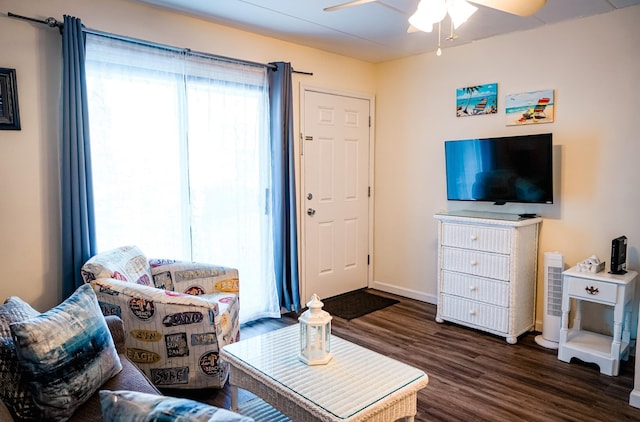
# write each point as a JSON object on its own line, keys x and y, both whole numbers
{"x": 29, "y": 188}
{"x": 593, "y": 64}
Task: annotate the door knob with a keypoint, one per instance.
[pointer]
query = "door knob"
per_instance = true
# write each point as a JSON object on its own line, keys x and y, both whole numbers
{"x": 311, "y": 211}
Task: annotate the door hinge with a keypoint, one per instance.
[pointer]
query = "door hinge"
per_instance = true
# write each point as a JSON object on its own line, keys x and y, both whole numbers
{"x": 369, "y": 121}
{"x": 369, "y": 192}
{"x": 368, "y": 259}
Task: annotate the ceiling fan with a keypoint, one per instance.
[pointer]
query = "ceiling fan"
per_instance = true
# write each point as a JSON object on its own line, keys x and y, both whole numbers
{"x": 520, "y": 8}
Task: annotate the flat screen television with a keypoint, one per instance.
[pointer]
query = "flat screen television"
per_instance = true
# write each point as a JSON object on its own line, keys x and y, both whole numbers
{"x": 500, "y": 170}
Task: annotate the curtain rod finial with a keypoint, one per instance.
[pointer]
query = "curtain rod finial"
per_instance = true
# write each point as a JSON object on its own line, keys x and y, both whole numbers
{"x": 53, "y": 22}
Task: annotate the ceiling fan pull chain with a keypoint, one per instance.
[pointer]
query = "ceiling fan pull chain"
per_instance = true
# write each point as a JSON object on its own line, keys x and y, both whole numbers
{"x": 452, "y": 35}
{"x": 439, "y": 51}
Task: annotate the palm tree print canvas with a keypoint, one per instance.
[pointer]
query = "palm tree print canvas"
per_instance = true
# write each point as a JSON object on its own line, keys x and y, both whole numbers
{"x": 476, "y": 100}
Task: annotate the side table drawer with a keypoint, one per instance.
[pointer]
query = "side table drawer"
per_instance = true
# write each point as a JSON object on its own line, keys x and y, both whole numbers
{"x": 475, "y": 313}
{"x": 592, "y": 290}
{"x": 475, "y": 288}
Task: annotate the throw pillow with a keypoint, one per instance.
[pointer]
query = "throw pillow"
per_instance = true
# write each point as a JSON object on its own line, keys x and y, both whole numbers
{"x": 131, "y": 406}
{"x": 67, "y": 353}
{"x": 14, "y": 390}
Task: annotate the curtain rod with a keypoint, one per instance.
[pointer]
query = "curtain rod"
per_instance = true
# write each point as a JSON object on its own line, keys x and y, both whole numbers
{"x": 54, "y": 23}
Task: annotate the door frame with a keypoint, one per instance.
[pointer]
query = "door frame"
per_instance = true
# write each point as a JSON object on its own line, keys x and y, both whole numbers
{"x": 301, "y": 203}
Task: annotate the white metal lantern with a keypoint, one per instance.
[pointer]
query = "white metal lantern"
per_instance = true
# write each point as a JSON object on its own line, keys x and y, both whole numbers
{"x": 315, "y": 334}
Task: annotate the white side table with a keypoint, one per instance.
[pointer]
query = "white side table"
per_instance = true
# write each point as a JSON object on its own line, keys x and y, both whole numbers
{"x": 634, "y": 397}
{"x": 607, "y": 289}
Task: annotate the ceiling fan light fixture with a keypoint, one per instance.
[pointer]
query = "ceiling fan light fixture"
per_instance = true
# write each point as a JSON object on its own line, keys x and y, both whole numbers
{"x": 460, "y": 11}
{"x": 428, "y": 13}
{"x": 419, "y": 24}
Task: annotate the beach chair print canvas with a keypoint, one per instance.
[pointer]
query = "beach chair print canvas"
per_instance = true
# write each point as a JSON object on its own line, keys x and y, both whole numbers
{"x": 477, "y": 100}
{"x": 530, "y": 108}
{"x": 480, "y": 107}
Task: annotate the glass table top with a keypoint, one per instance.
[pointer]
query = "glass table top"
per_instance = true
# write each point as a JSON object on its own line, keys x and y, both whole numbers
{"x": 354, "y": 379}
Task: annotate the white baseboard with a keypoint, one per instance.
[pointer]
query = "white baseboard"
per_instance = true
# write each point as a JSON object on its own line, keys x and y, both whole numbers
{"x": 404, "y": 292}
{"x": 538, "y": 326}
{"x": 634, "y": 398}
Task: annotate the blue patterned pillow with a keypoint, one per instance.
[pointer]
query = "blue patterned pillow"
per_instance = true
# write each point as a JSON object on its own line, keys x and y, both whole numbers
{"x": 131, "y": 406}
{"x": 67, "y": 353}
{"x": 14, "y": 390}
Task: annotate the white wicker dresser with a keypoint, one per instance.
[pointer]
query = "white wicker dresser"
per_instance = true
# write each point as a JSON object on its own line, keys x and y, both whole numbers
{"x": 487, "y": 266}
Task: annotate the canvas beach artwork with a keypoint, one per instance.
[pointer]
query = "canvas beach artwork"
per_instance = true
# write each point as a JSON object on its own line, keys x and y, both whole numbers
{"x": 529, "y": 108}
{"x": 477, "y": 100}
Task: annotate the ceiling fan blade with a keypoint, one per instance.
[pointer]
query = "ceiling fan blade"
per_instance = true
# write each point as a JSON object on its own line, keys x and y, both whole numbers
{"x": 347, "y": 4}
{"x": 520, "y": 8}
{"x": 388, "y": 6}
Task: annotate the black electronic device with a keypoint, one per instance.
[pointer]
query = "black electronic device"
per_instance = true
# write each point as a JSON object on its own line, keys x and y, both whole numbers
{"x": 500, "y": 170}
{"x": 619, "y": 255}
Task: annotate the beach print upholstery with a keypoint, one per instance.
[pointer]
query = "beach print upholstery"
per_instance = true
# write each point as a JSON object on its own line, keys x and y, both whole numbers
{"x": 130, "y": 406}
{"x": 177, "y": 322}
{"x": 14, "y": 389}
{"x": 67, "y": 353}
{"x": 127, "y": 263}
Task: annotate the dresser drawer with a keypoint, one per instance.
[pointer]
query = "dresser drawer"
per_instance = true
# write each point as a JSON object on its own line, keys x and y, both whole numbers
{"x": 592, "y": 290}
{"x": 488, "y": 239}
{"x": 476, "y": 263}
{"x": 475, "y": 313}
{"x": 493, "y": 292}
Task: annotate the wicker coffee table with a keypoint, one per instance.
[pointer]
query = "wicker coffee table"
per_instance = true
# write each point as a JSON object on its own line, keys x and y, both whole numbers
{"x": 356, "y": 385}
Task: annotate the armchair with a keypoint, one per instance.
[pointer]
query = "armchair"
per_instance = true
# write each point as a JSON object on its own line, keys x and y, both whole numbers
{"x": 177, "y": 315}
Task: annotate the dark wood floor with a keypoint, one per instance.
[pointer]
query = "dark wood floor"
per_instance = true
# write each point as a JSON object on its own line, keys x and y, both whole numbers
{"x": 473, "y": 376}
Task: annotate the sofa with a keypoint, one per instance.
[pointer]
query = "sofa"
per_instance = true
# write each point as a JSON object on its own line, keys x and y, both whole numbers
{"x": 129, "y": 378}
{"x": 70, "y": 364}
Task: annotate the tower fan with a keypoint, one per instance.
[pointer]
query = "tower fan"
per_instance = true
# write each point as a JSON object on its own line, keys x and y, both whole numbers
{"x": 552, "y": 317}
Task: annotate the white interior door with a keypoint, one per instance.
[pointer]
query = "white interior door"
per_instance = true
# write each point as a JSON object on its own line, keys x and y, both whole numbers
{"x": 336, "y": 133}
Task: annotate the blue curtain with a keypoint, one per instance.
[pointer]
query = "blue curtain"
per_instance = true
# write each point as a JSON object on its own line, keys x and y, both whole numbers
{"x": 78, "y": 231}
{"x": 284, "y": 188}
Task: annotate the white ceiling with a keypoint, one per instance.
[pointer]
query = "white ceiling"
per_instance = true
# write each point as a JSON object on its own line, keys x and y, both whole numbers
{"x": 375, "y": 31}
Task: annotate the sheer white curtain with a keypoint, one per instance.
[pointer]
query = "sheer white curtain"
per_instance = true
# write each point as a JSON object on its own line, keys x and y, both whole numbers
{"x": 181, "y": 163}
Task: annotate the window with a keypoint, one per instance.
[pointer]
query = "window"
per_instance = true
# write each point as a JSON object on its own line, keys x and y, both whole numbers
{"x": 181, "y": 160}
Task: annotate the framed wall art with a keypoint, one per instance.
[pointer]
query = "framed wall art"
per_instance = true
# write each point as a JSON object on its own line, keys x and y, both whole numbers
{"x": 529, "y": 108}
{"x": 476, "y": 100}
{"x": 9, "y": 112}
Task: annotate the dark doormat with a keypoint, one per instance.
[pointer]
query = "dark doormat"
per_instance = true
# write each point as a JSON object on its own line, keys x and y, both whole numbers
{"x": 356, "y": 304}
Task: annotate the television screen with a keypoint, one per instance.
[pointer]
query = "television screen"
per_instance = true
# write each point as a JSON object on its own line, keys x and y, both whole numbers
{"x": 500, "y": 170}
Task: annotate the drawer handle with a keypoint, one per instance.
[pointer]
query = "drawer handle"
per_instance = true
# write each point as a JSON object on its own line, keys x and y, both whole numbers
{"x": 473, "y": 312}
{"x": 592, "y": 290}
{"x": 474, "y": 262}
{"x": 473, "y": 288}
{"x": 474, "y": 237}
